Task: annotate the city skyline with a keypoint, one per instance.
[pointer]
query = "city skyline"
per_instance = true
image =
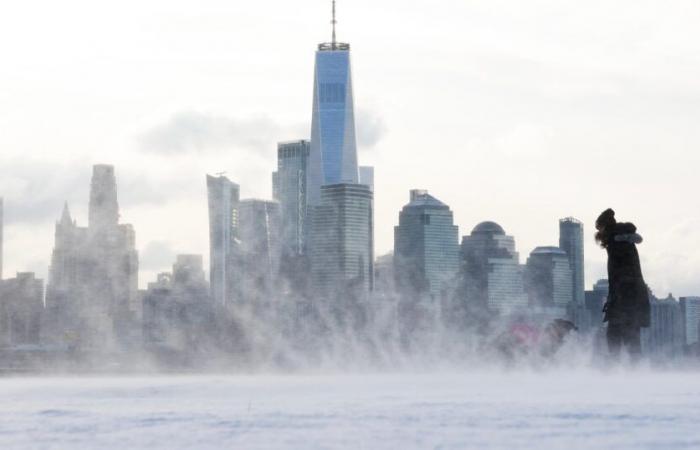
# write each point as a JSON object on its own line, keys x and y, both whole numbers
{"x": 39, "y": 180}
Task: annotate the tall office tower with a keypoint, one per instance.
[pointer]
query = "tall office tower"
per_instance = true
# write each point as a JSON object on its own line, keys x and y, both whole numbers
{"x": 342, "y": 247}
{"x": 492, "y": 277}
{"x": 259, "y": 232}
{"x": 103, "y": 211}
{"x": 333, "y": 157}
{"x": 92, "y": 295}
{"x": 223, "y": 198}
{"x": 690, "y": 313}
{"x": 548, "y": 278}
{"x": 426, "y": 245}
{"x": 367, "y": 176}
{"x": 290, "y": 192}
{"x": 571, "y": 241}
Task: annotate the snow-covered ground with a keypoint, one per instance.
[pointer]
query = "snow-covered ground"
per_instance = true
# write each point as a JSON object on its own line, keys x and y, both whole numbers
{"x": 562, "y": 410}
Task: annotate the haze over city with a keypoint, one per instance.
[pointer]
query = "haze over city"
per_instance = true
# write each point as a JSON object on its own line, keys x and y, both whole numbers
{"x": 516, "y": 113}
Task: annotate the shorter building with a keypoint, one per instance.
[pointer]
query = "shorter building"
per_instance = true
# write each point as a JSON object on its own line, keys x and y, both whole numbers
{"x": 595, "y": 300}
{"x": 548, "y": 282}
{"x": 663, "y": 340}
{"x": 690, "y": 315}
{"x": 21, "y": 309}
{"x": 491, "y": 277}
{"x": 177, "y": 309}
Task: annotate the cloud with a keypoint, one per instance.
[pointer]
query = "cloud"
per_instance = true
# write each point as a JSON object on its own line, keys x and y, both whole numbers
{"x": 370, "y": 128}
{"x": 188, "y": 132}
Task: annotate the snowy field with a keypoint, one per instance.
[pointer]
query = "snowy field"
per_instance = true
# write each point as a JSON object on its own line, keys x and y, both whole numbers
{"x": 485, "y": 410}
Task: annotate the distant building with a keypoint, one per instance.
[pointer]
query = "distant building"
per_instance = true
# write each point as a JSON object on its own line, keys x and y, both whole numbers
{"x": 595, "y": 300}
{"x": 92, "y": 295}
{"x": 223, "y": 199}
{"x": 426, "y": 246}
{"x": 342, "y": 247}
{"x": 259, "y": 234}
{"x": 2, "y": 239}
{"x": 664, "y": 338}
{"x": 492, "y": 277}
{"x": 333, "y": 156}
{"x": 690, "y": 315}
{"x": 177, "y": 309}
{"x": 21, "y": 308}
{"x": 571, "y": 242}
{"x": 548, "y": 278}
{"x": 290, "y": 192}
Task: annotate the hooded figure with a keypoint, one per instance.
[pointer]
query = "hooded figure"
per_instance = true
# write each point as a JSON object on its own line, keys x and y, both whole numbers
{"x": 627, "y": 308}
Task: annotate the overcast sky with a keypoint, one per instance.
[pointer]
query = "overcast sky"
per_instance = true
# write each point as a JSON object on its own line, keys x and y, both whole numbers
{"x": 521, "y": 112}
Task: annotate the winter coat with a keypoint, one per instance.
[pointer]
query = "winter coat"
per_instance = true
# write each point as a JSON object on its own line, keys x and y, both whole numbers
{"x": 628, "y": 298}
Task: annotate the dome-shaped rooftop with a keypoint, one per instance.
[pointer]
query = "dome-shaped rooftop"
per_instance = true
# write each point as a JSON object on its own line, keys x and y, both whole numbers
{"x": 488, "y": 227}
{"x": 547, "y": 250}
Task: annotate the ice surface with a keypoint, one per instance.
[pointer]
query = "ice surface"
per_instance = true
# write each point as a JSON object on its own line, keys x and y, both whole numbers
{"x": 392, "y": 411}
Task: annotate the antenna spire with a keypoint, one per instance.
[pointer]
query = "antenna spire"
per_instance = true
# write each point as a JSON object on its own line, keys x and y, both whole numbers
{"x": 333, "y": 22}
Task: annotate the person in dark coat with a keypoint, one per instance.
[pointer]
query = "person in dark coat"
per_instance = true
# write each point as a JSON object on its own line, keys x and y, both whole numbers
{"x": 627, "y": 309}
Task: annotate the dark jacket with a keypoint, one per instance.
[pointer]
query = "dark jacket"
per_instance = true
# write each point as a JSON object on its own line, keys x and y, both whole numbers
{"x": 628, "y": 299}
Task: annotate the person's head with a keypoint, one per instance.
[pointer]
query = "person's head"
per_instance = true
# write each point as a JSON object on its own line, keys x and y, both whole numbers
{"x": 604, "y": 225}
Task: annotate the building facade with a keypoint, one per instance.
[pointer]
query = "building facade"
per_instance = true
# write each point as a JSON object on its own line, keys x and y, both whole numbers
{"x": 548, "y": 278}
{"x": 342, "y": 247}
{"x": 92, "y": 294}
{"x": 21, "y": 309}
{"x": 290, "y": 191}
{"x": 333, "y": 156}
{"x": 690, "y": 315}
{"x": 571, "y": 242}
{"x": 223, "y": 200}
{"x": 491, "y": 274}
{"x": 426, "y": 246}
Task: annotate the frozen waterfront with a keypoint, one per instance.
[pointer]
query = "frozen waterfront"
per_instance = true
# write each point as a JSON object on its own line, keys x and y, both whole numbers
{"x": 392, "y": 411}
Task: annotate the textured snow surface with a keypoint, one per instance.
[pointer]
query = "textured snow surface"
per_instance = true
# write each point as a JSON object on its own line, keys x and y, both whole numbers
{"x": 562, "y": 410}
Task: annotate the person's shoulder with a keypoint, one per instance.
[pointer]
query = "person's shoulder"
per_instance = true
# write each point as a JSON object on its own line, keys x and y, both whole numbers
{"x": 626, "y": 232}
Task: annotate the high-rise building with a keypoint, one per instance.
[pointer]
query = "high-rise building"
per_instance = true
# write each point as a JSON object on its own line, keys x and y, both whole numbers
{"x": 548, "y": 278}
{"x": 571, "y": 242}
{"x": 92, "y": 294}
{"x": 333, "y": 157}
{"x": 426, "y": 245}
{"x": 290, "y": 192}
{"x": 259, "y": 233}
{"x": 690, "y": 313}
{"x": 595, "y": 300}
{"x": 491, "y": 274}
{"x": 342, "y": 247}
{"x": 223, "y": 199}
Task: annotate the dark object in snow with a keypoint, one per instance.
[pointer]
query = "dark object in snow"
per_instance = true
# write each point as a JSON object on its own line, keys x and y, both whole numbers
{"x": 526, "y": 341}
{"x": 627, "y": 308}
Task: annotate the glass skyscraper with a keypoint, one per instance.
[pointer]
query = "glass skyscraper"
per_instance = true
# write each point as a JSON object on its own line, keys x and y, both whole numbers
{"x": 548, "y": 278}
{"x": 342, "y": 255}
{"x": 223, "y": 196}
{"x": 571, "y": 241}
{"x": 290, "y": 191}
{"x": 333, "y": 158}
{"x": 491, "y": 271}
{"x": 426, "y": 245}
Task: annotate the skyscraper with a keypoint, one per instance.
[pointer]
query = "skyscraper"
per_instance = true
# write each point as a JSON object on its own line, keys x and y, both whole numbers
{"x": 548, "y": 278}
{"x": 333, "y": 157}
{"x": 690, "y": 313}
{"x": 92, "y": 296}
{"x": 426, "y": 245}
{"x": 492, "y": 276}
{"x": 290, "y": 192}
{"x": 259, "y": 233}
{"x": 223, "y": 199}
{"x": 342, "y": 248}
{"x": 571, "y": 241}
{"x": 2, "y": 236}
